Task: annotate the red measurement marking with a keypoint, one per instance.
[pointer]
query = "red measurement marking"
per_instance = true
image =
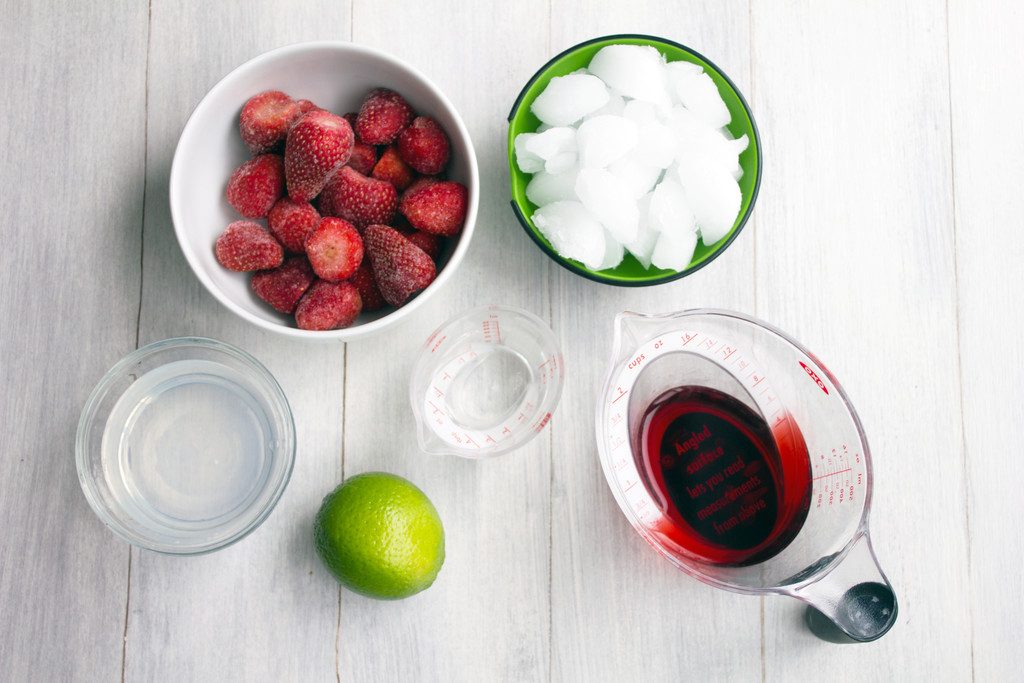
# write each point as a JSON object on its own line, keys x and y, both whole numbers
{"x": 629, "y": 487}
{"x": 832, "y": 474}
{"x": 436, "y": 409}
{"x": 688, "y": 339}
{"x": 438, "y": 393}
{"x": 620, "y": 396}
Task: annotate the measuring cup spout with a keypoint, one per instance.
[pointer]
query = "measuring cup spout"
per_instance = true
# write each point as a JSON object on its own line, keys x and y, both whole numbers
{"x": 854, "y": 601}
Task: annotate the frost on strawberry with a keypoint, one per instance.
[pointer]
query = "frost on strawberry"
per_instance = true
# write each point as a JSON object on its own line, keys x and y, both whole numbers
{"x": 245, "y": 246}
{"x": 424, "y": 146}
{"x": 399, "y": 266}
{"x": 438, "y": 208}
{"x": 283, "y": 287}
{"x": 317, "y": 146}
{"x": 328, "y": 306}
{"x": 266, "y": 118}
{"x": 291, "y": 222}
{"x": 382, "y": 117}
{"x": 359, "y": 200}
{"x": 335, "y": 249}
{"x": 256, "y": 185}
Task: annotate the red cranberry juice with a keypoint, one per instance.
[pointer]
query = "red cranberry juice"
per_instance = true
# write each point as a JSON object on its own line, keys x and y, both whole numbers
{"x": 734, "y": 492}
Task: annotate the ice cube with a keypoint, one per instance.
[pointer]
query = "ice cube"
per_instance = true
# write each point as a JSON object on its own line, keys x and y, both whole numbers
{"x": 636, "y": 71}
{"x": 610, "y": 201}
{"x": 674, "y": 250}
{"x": 695, "y": 90}
{"x": 614, "y": 106}
{"x": 638, "y": 178}
{"x": 613, "y": 252}
{"x": 556, "y": 147}
{"x": 527, "y": 161}
{"x": 567, "y": 99}
{"x": 560, "y": 163}
{"x": 699, "y": 145}
{"x": 573, "y": 232}
{"x": 551, "y": 142}
{"x": 715, "y": 198}
{"x": 646, "y": 238}
{"x": 603, "y": 139}
{"x": 639, "y": 111}
{"x": 545, "y": 188}
{"x": 656, "y": 144}
{"x": 670, "y": 209}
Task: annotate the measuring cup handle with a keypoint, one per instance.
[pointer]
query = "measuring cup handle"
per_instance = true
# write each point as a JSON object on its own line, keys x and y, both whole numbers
{"x": 854, "y": 602}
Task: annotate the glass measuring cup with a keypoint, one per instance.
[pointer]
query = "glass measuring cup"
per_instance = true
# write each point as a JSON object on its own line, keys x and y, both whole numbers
{"x": 739, "y": 458}
{"x": 486, "y": 382}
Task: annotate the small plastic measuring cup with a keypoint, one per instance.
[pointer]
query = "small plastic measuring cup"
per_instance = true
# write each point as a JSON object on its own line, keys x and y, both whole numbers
{"x": 825, "y": 558}
{"x": 486, "y": 382}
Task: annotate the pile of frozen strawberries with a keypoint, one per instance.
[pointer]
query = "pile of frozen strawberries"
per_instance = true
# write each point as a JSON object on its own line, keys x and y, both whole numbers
{"x": 356, "y": 206}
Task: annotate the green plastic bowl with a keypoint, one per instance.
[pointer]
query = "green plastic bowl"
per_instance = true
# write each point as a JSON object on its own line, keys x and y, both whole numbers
{"x": 630, "y": 273}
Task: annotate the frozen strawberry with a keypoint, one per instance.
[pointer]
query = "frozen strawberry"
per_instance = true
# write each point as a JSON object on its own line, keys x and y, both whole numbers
{"x": 364, "y": 157}
{"x": 256, "y": 185}
{"x": 367, "y": 285}
{"x": 399, "y": 266}
{"x": 335, "y": 249}
{"x": 352, "y": 117}
{"x": 425, "y": 241}
{"x": 328, "y": 306}
{"x": 419, "y": 184}
{"x": 358, "y": 199}
{"x": 291, "y": 222}
{"x": 382, "y": 117}
{"x": 439, "y": 208}
{"x": 391, "y": 168}
{"x": 283, "y": 287}
{"x": 245, "y": 245}
{"x": 317, "y": 146}
{"x": 265, "y": 120}
{"x": 424, "y": 146}
{"x": 305, "y": 106}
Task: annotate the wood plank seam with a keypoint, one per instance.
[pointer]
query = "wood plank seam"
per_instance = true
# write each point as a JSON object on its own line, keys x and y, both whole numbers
{"x": 959, "y": 349}
{"x": 142, "y": 280}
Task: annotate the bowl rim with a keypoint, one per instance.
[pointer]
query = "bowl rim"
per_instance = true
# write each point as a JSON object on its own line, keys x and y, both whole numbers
{"x": 671, "y": 277}
{"x": 395, "y": 316}
{"x": 86, "y": 426}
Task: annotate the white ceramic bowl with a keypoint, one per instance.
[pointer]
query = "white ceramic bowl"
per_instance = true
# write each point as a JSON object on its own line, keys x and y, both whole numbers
{"x": 336, "y": 76}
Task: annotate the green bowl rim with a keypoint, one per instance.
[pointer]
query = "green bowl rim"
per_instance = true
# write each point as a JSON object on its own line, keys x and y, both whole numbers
{"x": 566, "y": 263}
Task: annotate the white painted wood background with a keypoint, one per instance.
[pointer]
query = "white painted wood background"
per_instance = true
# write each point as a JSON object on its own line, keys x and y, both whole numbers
{"x": 888, "y": 237}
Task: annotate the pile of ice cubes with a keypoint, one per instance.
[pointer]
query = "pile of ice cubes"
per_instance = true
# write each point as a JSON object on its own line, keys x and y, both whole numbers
{"x": 632, "y": 155}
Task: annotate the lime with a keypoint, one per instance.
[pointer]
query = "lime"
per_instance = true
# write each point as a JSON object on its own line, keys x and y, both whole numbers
{"x": 380, "y": 536}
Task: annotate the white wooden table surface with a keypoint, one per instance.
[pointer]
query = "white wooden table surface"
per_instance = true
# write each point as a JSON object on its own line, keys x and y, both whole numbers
{"x": 888, "y": 238}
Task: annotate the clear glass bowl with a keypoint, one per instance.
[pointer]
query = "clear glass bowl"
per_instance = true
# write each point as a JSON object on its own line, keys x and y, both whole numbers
{"x": 486, "y": 382}
{"x": 185, "y": 446}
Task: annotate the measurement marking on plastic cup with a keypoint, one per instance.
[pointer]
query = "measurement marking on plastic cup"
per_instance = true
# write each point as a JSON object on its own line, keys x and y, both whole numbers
{"x": 831, "y": 474}
{"x": 621, "y": 394}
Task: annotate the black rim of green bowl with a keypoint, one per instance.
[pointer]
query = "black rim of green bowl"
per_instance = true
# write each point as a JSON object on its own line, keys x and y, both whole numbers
{"x": 566, "y": 263}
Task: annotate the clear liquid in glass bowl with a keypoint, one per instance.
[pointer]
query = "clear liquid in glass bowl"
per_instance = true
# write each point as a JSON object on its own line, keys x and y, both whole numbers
{"x": 185, "y": 446}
